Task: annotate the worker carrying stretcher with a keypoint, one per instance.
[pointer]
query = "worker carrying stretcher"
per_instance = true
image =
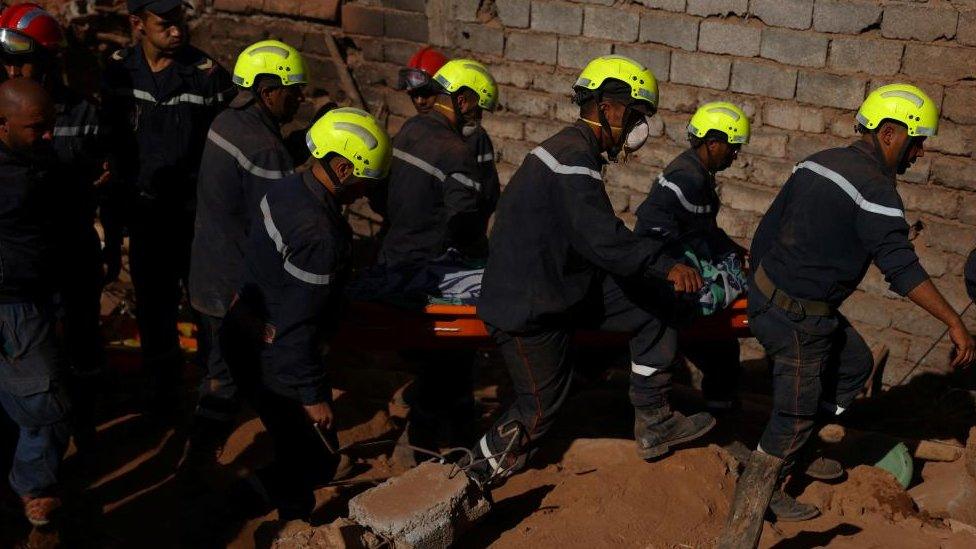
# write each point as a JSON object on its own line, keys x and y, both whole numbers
{"x": 560, "y": 259}
{"x": 681, "y": 208}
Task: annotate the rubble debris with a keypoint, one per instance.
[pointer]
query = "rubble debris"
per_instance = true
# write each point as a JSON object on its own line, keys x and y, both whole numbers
{"x": 424, "y": 507}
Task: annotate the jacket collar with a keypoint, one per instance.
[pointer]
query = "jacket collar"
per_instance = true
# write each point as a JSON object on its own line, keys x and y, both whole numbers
{"x": 874, "y": 155}
{"x": 318, "y": 190}
{"x": 590, "y": 139}
{"x": 439, "y": 118}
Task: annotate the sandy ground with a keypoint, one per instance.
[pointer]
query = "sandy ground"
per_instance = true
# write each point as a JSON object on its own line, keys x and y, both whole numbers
{"x": 584, "y": 488}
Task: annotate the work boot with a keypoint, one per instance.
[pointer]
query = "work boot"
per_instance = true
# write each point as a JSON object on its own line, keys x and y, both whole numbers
{"x": 657, "y": 430}
{"x": 823, "y": 468}
{"x": 787, "y": 509}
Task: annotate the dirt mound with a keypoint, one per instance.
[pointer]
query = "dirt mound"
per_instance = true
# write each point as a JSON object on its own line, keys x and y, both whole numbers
{"x": 867, "y": 490}
{"x": 601, "y": 494}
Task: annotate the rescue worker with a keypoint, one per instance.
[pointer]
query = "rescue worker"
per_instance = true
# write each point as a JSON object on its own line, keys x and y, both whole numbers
{"x": 32, "y": 43}
{"x": 837, "y": 213}
{"x": 439, "y": 199}
{"x": 244, "y": 153}
{"x": 561, "y": 260}
{"x": 682, "y": 208}
{"x": 160, "y": 97}
{"x": 417, "y": 80}
{"x": 297, "y": 258}
{"x": 435, "y": 200}
{"x": 32, "y": 384}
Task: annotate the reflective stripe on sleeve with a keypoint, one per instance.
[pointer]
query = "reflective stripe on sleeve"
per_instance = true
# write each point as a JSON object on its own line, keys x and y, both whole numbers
{"x": 75, "y": 131}
{"x": 290, "y": 268}
{"x": 849, "y": 189}
{"x": 645, "y": 371}
{"x": 191, "y": 98}
{"x": 550, "y": 161}
{"x": 242, "y": 160}
{"x": 693, "y": 208}
{"x": 487, "y": 157}
{"x": 418, "y": 163}
{"x": 466, "y": 181}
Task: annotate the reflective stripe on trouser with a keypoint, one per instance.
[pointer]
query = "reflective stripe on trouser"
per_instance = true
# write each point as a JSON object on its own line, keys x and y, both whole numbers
{"x": 818, "y": 363}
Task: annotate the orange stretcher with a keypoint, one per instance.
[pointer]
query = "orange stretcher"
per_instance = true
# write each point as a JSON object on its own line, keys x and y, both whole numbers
{"x": 381, "y": 326}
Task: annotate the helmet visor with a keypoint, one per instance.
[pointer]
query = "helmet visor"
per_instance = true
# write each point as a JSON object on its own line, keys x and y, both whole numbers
{"x": 412, "y": 79}
{"x": 15, "y": 43}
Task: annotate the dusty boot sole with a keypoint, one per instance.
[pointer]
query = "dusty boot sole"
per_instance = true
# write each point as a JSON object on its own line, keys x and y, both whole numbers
{"x": 661, "y": 449}
{"x": 799, "y": 518}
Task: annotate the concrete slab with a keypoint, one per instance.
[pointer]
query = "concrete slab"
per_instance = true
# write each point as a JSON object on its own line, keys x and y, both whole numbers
{"x": 423, "y": 508}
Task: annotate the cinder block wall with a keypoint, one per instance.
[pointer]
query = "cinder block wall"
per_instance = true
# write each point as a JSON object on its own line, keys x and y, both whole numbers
{"x": 798, "y": 68}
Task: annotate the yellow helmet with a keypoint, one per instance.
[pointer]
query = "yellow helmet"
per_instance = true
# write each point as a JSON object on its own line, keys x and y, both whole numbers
{"x": 903, "y": 103}
{"x": 643, "y": 85}
{"x": 723, "y": 117}
{"x": 354, "y": 135}
{"x": 273, "y": 58}
{"x": 467, "y": 73}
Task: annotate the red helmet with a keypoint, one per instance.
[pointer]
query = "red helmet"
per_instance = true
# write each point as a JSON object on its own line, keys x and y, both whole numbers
{"x": 428, "y": 60}
{"x": 421, "y": 68}
{"x": 22, "y": 26}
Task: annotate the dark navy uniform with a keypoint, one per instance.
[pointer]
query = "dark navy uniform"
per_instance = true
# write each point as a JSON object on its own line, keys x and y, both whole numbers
{"x": 484, "y": 150}
{"x": 837, "y": 213}
{"x": 434, "y": 194}
{"x": 79, "y": 145}
{"x": 32, "y": 385}
{"x": 159, "y": 123}
{"x": 244, "y": 154}
{"x": 297, "y": 259}
{"x": 681, "y": 208}
{"x": 561, "y": 259}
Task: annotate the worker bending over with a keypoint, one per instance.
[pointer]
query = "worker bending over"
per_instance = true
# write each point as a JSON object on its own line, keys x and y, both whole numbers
{"x": 835, "y": 215}
{"x": 245, "y": 152}
{"x": 297, "y": 258}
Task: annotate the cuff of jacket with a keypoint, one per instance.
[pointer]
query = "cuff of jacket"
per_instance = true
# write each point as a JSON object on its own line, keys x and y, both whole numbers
{"x": 908, "y": 279}
{"x": 660, "y": 266}
{"x": 312, "y": 394}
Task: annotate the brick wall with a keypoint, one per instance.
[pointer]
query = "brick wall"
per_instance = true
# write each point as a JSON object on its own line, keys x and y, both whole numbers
{"x": 798, "y": 68}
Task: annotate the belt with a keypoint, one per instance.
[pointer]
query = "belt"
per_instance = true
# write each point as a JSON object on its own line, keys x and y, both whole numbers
{"x": 785, "y": 301}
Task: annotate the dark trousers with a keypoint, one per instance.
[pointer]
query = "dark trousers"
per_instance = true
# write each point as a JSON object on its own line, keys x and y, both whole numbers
{"x": 83, "y": 342}
{"x": 441, "y": 399}
{"x": 541, "y": 372}
{"x": 159, "y": 258}
{"x": 820, "y": 364}
{"x": 719, "y": 363}
{"x": 301, "y": 461}
{"x": 33, "y": 395}
{"x": 218, "y": 392}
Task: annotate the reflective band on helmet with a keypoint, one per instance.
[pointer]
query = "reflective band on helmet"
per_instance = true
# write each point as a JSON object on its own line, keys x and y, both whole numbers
{"x": 14, "y": 42}
{"x": 725, "y": 111}
{"x": 363, "y": 135}
{"x": 26, "y": 19}
{"x": 647, "y": 94}
{"x": 296, "y": 77}
{"x": 918, "y": 101}
{"x": 270, "y": 49}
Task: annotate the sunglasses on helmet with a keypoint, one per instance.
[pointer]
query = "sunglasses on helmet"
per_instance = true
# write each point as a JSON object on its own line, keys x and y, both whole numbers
{"x": 15, "y": 43}
{"x": 413, "y": 79}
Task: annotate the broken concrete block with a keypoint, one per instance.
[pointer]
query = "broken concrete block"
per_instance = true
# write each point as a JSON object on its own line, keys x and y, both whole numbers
{"x": 423, "y": 508}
